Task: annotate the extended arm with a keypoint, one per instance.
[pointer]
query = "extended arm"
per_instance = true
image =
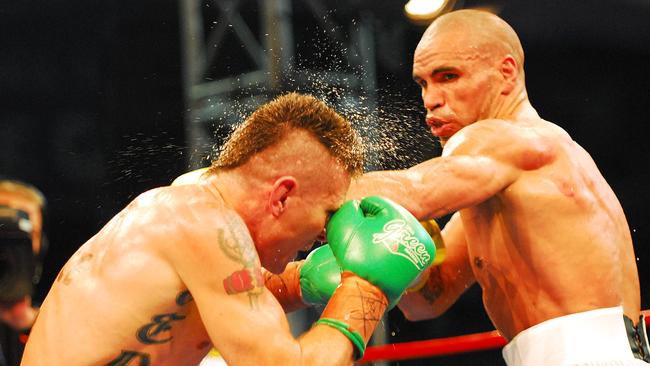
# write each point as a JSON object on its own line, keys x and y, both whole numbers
{"x": 438, "y": 186}
{"x": 478, "y": 162}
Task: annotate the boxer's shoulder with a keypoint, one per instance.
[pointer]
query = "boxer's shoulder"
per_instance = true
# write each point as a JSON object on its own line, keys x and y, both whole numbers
{"x": 205, "y": 223}
{"x": 521, "y": 145}
{"x": 192, "y": 177}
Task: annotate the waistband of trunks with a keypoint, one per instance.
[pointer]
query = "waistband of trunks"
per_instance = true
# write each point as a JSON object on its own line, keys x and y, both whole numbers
{"x": 590, "y": 336}
{"x": 638, "y": 338}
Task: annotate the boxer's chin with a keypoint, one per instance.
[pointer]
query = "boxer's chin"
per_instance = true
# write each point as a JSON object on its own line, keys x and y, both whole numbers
{"x": 277, "y": 265}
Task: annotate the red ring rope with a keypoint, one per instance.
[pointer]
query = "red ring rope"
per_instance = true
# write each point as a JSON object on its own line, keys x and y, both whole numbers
{"x": 435, "y": 347}
{"x": 442, "y": 346}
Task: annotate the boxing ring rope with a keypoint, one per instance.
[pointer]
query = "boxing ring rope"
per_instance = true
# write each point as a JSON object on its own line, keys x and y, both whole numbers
{"x": 434, "y": 347}
{"x": 442, "y": 346}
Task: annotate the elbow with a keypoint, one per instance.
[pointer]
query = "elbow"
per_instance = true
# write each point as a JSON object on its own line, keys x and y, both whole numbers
{"x": 420, "y": 315}
{"x": 420, "y": 212}
{"x": 414, "y": 316}
{"x": 415, "y": 308}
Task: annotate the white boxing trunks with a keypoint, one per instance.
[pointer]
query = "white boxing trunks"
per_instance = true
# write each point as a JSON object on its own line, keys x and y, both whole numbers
{"x": 592, "y": 338}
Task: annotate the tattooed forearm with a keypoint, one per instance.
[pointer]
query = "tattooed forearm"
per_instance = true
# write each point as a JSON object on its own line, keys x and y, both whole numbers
{"x": 434, "y": 288}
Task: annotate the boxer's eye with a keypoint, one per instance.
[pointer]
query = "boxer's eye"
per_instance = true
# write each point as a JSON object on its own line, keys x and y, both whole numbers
{"x": 448, "y": 76}
{"x": 422, "y": 83}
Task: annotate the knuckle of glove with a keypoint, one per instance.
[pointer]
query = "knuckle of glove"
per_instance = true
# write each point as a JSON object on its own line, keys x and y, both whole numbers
{"x": 386, "y": 245}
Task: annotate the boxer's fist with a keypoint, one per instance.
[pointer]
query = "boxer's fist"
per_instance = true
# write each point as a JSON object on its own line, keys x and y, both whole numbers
{"x": 380, "y": 241}
{"x": 319, "y": 276}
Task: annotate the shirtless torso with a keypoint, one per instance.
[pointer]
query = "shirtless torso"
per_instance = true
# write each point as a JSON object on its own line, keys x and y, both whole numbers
{"x": 553, "y": 242}
{"x": 123, "y": 292}
{"x": 537, "y": 225}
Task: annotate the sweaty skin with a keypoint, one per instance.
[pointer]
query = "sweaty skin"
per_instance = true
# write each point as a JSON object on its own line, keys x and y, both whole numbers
{"x": 537, "y": 226}
{"x": 123, "y": 293}
{"x": 177, "y": 272}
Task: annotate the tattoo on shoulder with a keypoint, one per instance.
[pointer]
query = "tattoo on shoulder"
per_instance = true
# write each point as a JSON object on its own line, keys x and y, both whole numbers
{"x": 434, "y": 287}
{"x": 74, "y": 266}
{"x": 238, "y": 247}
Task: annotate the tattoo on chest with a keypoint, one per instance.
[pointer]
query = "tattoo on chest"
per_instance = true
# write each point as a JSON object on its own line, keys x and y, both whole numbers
{"x": 155, "y": 332}
{"x": 433, "y": 289}
{"x": 125, "y": 358}
{"x": 183, "y": 298}
{"x": 249, "y": 279}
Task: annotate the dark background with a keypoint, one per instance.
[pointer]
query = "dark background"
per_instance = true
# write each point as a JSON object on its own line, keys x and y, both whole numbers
{"x": 91, "y": 110}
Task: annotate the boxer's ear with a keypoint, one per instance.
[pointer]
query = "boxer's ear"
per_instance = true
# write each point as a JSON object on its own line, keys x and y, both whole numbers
{"x": 283, "y": 188}
{"x": 509, "y": 71}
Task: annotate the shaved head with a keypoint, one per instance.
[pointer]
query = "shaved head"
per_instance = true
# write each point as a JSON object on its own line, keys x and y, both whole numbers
{"x": 469, "y": 65}
{"x": 475, "y": 32}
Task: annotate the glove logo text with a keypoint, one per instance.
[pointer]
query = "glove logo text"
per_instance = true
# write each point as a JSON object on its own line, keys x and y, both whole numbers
{"x": 398, "y": 237}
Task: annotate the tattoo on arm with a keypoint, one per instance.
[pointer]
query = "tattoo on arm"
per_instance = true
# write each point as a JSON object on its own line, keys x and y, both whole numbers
{"x": 238, "y": 247}
{"x": 434, "y": 287}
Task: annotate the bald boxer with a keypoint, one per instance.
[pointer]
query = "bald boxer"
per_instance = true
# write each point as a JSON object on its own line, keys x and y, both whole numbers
{"x": 179, "y": 269}
{"x": 536, "y": 225}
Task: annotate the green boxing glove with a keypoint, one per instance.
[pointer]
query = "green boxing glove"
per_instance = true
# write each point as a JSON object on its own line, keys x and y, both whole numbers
{"x": 320, "y": 275}
{"x": 381, "y": 242}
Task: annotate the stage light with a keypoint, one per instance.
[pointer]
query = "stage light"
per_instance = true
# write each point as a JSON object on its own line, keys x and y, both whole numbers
{"x": 425, "y": 11}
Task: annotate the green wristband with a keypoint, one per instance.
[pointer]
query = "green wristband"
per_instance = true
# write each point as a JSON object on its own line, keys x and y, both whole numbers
{"x": 344, "y": 328}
